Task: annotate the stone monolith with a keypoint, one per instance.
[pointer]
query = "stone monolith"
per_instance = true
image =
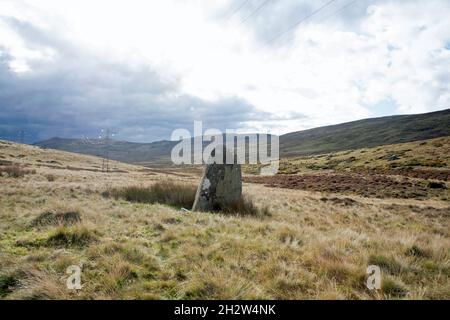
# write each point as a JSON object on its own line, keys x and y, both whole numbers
{"x": 220, "y": 186}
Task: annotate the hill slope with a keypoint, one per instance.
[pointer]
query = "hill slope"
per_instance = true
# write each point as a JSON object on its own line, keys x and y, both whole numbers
{"x": 366, "y": 133}
{"x": 316, "y": 243}
{"x": 347, "y": 136}
{"x": 129, "y": 152}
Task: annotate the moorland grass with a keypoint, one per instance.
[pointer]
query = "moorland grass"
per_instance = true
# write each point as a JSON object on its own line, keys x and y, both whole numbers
{"x": 182, "y": 196}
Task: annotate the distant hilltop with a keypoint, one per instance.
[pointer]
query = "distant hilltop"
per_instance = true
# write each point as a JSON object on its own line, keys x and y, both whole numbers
{"x": 346, "y": 136}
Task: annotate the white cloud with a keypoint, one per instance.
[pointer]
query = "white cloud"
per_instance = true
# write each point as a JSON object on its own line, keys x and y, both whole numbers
{"x": 331, "y": 71}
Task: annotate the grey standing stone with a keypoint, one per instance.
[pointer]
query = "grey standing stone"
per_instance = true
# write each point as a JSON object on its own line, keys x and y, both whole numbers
{"x": 221, "y": 185}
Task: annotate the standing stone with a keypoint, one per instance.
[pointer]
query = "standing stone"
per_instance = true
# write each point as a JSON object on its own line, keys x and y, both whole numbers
{"x": 220, "y": 186}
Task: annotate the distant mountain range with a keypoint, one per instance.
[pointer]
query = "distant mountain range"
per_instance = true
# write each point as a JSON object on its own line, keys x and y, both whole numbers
{"x": 124, "y": 151}
{"x": 346, "y": 136}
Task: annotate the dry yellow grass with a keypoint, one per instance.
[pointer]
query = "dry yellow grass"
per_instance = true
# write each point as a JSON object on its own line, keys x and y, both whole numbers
{"x": 308, "y": 248}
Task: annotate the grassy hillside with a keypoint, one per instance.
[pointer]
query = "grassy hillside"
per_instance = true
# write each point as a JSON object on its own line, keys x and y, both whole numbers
{"x": 314, "y": 244}
{"x": 128, "y": 152}
{"x": 414, "y": 170}
{"x": 366, "y": 133}
{"x": 347, "y": 136}
{"x": 419, "y": 156}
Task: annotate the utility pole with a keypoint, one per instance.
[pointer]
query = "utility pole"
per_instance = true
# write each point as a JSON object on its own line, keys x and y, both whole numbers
{"x": 21, "y": 136}
{"x": 105, "y": 139}
{"x": 107, "y": 150}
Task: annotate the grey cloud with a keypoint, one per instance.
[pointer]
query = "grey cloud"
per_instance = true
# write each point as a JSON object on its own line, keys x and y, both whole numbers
{"x": 78, "y": 94}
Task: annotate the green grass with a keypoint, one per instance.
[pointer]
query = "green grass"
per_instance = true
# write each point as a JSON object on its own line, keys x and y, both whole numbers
{"x": 366, "y": 133}
{"x": 170, "y": 193}
{"x": 245, "y": 207}
{"x": 418, "y": 252}
{"x": 182, "y": 196}
{"x": 7, "y": 283}
{"x": 393, "y": 289}
{"x": 74, "y": 236}
{"x": 56, "y": 218}
{"x": 387, "y": 264}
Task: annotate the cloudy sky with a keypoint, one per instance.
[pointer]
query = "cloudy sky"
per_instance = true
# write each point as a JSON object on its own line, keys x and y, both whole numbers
{"x": 144, "y": 68}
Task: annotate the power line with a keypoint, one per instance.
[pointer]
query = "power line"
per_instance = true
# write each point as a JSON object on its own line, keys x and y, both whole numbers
{"x": 103, "y": 142}
{"x": 106, "y": 136}
{"x": 301, "y": 21}
{"x": 339, "y": 10}
{"x": 256, "y": 10}
{"x": 237, "y": 9}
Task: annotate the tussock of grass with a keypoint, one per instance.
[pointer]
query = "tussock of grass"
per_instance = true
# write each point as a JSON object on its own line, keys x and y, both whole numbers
{"x": 7, "y": 284}
{"x": 436, "y": 185}
{"x": 170, "y": 193}
{"x": 387, "y": 264}
{"x": 202, "y": 289}
{"x": 128, "y": 252}
{"x": 40, "y": 285}
{"x": 56, "y": 218}
{"x": 418, "y": 252}
{"x": 288, "y": 236}
{"x": 393, "y": 289}
{"x": 15, "y": 171}
{"x": 245, "y": 207}
{"x": 73, "y": 236}
{"x": 181, "y": 196}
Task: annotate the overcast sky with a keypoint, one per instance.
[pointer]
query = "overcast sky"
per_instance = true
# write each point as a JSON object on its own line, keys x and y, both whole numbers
{"x": 144, "y": 68}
